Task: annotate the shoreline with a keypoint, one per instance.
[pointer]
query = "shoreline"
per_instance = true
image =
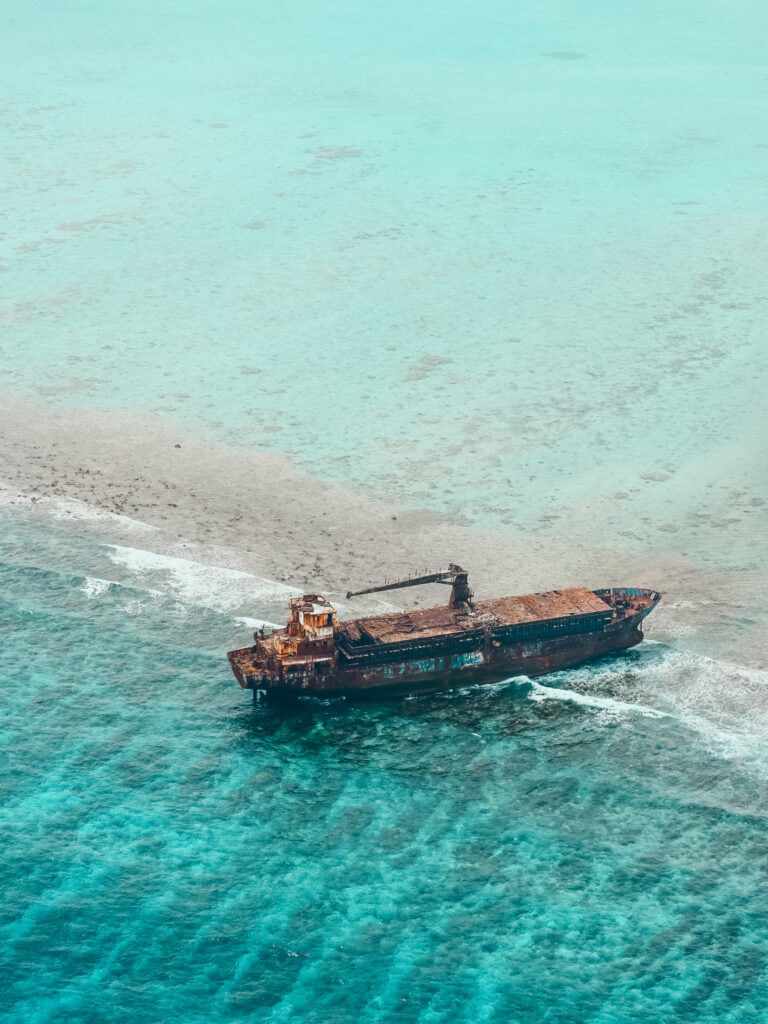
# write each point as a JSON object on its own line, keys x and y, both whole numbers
{"x": 254, "y": 511}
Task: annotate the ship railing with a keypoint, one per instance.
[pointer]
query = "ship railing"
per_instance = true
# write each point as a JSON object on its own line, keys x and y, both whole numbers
{"x": 381, "y": 653}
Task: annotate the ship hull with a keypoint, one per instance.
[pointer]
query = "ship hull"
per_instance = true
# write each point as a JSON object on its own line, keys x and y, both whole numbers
{"x": 486, "y": 663}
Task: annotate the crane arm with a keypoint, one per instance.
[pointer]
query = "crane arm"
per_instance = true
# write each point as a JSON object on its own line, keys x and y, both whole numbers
{"x": 461, "y": 595}
{"x": 412, "y": 581}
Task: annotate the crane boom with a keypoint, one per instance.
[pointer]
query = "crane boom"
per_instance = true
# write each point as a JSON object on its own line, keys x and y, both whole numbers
{"x": 411, "y": 581}
{"x": 454, "y": 574}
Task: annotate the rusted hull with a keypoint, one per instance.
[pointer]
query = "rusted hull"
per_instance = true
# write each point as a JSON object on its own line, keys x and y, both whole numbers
{"x": 487, "y": 663}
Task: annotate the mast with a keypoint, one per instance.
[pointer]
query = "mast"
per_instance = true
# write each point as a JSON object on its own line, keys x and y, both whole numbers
{"x": 454, "y": 576}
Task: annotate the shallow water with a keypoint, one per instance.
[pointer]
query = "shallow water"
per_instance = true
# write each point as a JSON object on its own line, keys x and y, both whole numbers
{"x": 584, "y": 847}
{"x": 504, "y": 262}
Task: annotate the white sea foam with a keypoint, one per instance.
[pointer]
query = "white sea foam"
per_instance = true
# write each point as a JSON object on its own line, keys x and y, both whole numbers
{"x": 208, "y": 586}
{"x": 134, "y": 607}
{"x": 539, "y": 692}
{"x": 94, "y": 586}
{"x": 256, "y": 623}
{"x": 725, "y": 704}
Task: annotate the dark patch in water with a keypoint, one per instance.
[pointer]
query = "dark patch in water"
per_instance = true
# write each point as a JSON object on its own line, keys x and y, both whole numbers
{"x": 336, "y": 152}
{"x": 426, "y": 365}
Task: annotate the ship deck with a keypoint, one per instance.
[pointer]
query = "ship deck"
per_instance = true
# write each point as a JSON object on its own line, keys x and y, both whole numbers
{"x": 399, "y": 627}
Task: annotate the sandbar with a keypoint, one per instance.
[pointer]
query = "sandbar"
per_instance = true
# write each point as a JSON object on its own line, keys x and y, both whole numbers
{"x": 256, "y": 511}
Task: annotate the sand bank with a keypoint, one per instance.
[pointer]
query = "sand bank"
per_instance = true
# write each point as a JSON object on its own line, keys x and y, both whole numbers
{"x": 255, "y": 511}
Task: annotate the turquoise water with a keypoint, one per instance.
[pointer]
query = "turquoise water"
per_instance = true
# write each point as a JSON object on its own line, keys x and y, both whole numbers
{"x": 503, "y": 261}
{"x": 515, "y": 852}
{"x": 499, "y": 259}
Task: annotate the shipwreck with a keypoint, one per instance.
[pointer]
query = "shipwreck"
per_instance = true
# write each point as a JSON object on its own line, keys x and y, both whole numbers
{"x": 464, "y": 642}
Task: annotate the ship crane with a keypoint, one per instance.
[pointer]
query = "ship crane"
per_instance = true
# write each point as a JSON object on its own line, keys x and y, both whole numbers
{"x": 454, "y": 576}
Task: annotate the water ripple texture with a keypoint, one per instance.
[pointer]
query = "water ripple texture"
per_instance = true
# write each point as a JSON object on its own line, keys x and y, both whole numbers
{"x": 575, "y": 849}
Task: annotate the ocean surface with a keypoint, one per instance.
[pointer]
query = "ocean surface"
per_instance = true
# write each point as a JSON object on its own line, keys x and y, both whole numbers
{"x": 503, "y": 261}
{"x": 592, "y": 847}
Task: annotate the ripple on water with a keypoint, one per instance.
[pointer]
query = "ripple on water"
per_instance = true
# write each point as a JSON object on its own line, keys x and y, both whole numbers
{"x": 563, "y": 849}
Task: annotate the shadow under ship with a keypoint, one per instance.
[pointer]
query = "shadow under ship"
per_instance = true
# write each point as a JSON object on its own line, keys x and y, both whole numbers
{"x": 439, "y": 648}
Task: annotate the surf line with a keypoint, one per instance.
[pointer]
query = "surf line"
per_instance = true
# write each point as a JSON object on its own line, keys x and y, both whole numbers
{"x": 539, "y": 692}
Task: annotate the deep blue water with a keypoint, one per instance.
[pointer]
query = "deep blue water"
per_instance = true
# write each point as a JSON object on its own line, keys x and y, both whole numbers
{"x": 172, "y": 852}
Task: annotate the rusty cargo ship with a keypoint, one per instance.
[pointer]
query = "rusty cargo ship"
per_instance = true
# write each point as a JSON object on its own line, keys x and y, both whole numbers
{"x": 436, "y": 649}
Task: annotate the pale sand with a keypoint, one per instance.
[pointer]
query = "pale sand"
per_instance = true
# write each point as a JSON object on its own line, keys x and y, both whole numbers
{"x": 257, "y": 512}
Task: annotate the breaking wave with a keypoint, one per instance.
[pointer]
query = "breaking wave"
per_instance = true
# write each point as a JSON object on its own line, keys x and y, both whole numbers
{"x": 539, "y": 693}
{"x": 725, "y": 704}
{"x": 208, "y": 586}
